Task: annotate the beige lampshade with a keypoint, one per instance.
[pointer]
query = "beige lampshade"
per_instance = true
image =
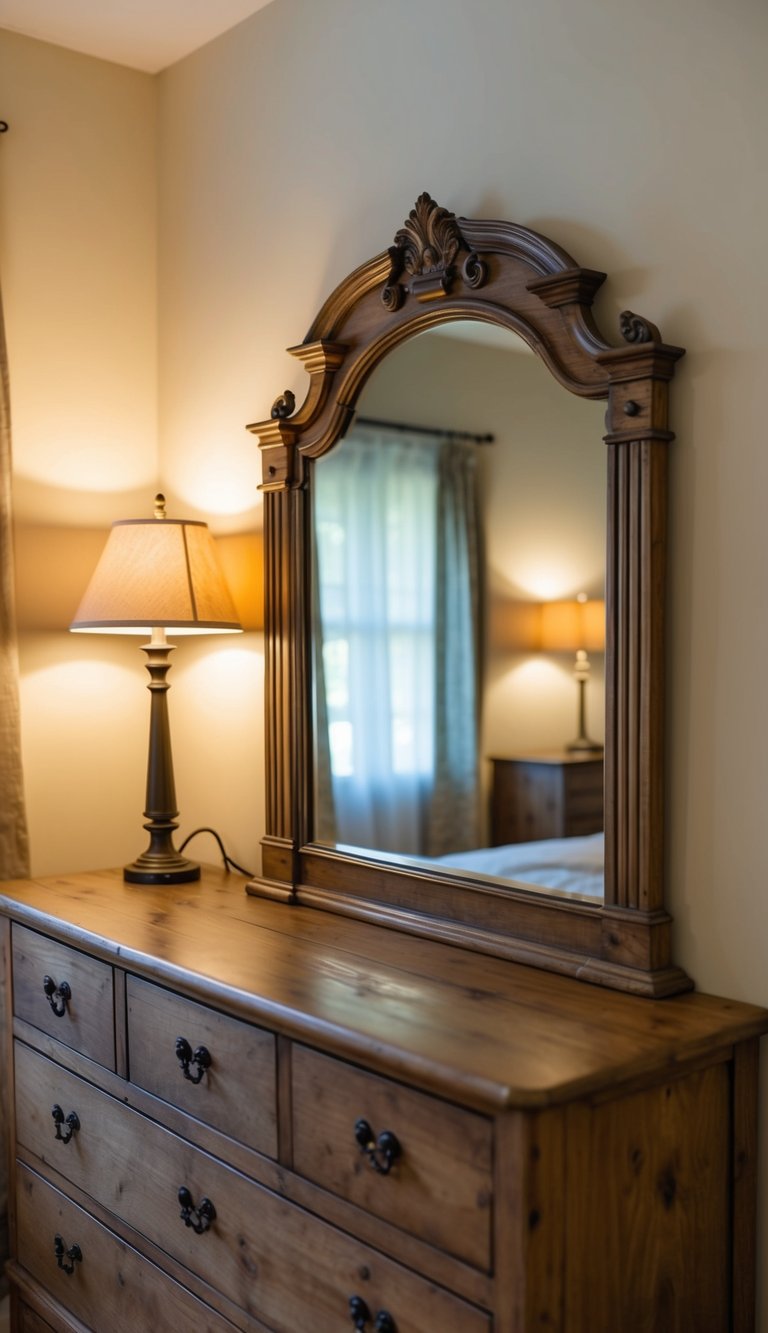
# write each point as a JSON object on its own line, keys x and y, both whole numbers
{"x": 571, "y": 625}
{"x": 161, "y": 572}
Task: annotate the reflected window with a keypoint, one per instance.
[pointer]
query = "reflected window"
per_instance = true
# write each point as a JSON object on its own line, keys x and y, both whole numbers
{"x": 395, "y": 606}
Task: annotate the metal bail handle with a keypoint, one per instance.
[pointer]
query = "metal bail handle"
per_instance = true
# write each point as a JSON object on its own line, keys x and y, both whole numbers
{"x": 361, "y": 1317}
{"x": 201, "y": 1057}
{"x": 73, "y": 1255}
{"x": 382, "y": 1152}
{"x": 72, "y": 1121}
{"x": 58, "y": 996}
{"x": 200, "y": 1218}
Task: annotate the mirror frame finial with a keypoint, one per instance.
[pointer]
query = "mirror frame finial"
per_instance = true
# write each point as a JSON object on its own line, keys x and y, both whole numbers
{"x": 513, "y": 277}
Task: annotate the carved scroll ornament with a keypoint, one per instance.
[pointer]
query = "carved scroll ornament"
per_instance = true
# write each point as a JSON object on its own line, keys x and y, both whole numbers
{"x": 426, "y": 247}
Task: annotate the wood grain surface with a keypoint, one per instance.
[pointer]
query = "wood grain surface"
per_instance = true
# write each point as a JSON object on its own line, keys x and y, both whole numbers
{"x": 236, "y": 1094}
{"x": 255, "y": 1252}
{"x": 483, "y": 1032}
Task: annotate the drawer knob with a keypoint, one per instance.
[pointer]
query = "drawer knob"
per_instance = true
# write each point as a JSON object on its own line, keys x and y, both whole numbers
{"x": 382, "y": 1152}
{"x": 72, "y": 1122}
{"x": 200, "y": 1218}
{"x": 201, "y": 1057}
{"x": 67, "y": 1258}
{"x": 361, "y": 1317}
{"x": 58, "y": 996}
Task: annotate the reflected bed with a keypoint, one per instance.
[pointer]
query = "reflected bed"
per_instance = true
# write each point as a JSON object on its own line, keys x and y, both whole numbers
{"x": 572, "y": 866}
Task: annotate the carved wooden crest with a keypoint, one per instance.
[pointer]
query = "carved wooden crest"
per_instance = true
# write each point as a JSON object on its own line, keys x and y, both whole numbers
{"x": 426, "y": 247}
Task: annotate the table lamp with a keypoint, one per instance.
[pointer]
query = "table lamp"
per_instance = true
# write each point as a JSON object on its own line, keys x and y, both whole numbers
{"x": 156, "y": 574}
{"x": 576, "y": 626}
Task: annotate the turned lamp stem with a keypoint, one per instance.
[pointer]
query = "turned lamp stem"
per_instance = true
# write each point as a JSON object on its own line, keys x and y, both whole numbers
{"x": 160, "y": 863}
{"x": 581, "y": 670}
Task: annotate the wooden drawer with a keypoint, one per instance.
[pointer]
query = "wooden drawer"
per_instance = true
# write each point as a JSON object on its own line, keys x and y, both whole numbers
{"x": 29, "y": 1322}
{"x": 112, "y": 1286}
{"x": 236, "y": 1093}
{"x": 272, "y": 1259}
{"x": 439, "y": 1188}
{"x": 86, "y": 1020}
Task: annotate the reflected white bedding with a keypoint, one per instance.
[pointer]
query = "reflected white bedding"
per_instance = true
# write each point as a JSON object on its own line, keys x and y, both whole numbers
{"x": 572, "y": 866}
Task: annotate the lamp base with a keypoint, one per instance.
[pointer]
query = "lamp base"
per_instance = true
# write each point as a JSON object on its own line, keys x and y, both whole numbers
{"x": 584, "y": 746}
{"x": 171, "y": 869}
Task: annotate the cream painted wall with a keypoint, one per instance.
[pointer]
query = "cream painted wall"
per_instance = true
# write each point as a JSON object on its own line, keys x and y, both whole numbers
{"x": 78, "y": 269}
{"x": 77, "y": 231}
{"x": 634, "y": 135}
{"x": 78, "y": 259}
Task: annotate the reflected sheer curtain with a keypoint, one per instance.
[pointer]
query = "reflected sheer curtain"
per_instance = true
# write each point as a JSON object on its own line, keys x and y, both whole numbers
{"x": 396, "y": 607}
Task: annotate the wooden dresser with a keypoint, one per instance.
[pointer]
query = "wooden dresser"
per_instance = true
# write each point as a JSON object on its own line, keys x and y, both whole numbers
{"x": 233, "y": 1114}
{"x": 554, "y": 795}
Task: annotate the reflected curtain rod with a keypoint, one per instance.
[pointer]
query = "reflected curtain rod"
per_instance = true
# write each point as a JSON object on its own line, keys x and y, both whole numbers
{"x": 426, "y": 430}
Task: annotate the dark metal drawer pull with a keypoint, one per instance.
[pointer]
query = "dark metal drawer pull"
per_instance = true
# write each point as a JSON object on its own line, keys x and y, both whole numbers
{"x": 58, "y": 996}
{"x": 72, "y": 1121}
{"x": 382, "y": 1152}
{"x": 361, "y": 1317}
{"x": 200, "y": 1218}
{"x": 73, "y": 1255}
{"x": 201, "y": 1057}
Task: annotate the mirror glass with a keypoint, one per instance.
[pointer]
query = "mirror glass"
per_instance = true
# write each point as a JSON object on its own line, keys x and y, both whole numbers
{"x": 455, "y": 580}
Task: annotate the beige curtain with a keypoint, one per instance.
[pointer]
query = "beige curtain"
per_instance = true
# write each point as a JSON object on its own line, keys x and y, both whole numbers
{"x": 14, "y": 845}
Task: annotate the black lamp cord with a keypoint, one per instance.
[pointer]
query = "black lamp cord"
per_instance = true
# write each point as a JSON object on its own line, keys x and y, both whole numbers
{"x": 229, "y": 864}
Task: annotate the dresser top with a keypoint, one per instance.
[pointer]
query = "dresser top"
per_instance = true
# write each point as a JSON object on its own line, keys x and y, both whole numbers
{"x": 479, "y": 1030}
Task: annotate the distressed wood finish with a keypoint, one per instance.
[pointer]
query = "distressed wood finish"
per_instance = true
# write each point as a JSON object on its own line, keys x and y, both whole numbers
{"x": 113, "y": 1286}
{"x": 88, "y": 1020}
{"x": 546, "y": 796}
{"x": 255, "y": 1251}
{"x": 572, "y": 1159}
{"x": 440, "y": 1187}
{"x": 652, "y": 1167}
{"x": 442, "y": 268}
{"x": 236, "y": 1094}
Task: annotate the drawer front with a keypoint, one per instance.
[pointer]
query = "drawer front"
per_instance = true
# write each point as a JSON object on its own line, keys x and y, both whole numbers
{"x": 30, "y": 1322}
{"x": 85, "y": 1019}
{"x": 275, "y": 1261}
{"x": 111, "y": 1286}
{"x": 439, "y": 1187}
{"x": 236, "y": 1093}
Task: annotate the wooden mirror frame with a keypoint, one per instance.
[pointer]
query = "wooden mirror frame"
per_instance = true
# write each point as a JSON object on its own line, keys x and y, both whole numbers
{"x": 443, "y": 268}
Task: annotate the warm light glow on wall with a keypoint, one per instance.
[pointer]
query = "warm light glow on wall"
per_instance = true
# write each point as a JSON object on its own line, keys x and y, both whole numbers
{"x": 546, "y": 577}
{"x": 204, "y": 485}
{"x": 84, "y": 458}
{"x": 534, "y": 675}
{"x": 241, "y": 556}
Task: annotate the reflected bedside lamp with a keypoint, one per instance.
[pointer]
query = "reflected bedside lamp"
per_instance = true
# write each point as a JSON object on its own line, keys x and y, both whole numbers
{"x": 576, "y": 626}
{"x": 156, "y": 574}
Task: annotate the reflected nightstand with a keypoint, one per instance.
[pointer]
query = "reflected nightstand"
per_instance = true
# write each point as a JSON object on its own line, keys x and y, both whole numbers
{"x": 555, "y": 794}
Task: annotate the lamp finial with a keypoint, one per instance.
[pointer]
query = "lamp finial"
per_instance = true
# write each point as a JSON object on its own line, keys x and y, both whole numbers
{"x": 159, "y": 505}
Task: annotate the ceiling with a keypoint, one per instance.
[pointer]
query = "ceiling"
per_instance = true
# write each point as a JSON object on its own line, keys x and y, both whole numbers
{"x": 144, "y": 34}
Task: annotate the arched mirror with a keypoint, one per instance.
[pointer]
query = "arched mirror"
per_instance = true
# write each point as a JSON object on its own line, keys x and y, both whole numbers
{"x": 464, "y": 607}
{"x": 460, "y": 518}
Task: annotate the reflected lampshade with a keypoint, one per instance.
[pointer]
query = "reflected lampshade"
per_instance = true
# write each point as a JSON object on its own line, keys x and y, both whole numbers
{"x": 572, "y": 625}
